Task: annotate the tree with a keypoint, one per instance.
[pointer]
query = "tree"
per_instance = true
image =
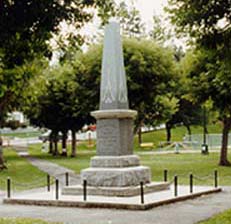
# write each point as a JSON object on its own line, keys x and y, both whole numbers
{"x": 59, "y": 95}
{"x": 73, "y": 92}
{"x": 25, "y": 30}
{"x": 209, "y": 25}
{"x": 159, "y": 32}
{"x": 150, "y": 76}
{"x": 188, "y": 113}
{"x": 130, "y": 20}
{"x": 211, "y": 80}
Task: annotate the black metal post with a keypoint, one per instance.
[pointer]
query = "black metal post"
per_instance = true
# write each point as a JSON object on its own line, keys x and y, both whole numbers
{"x": 57, "y": 189}
{"x": 48, "y": 182}
{"x": 8, "y": 188}
{"x": 215, "y": 179}
{"x": 191, "y": 183}
{"x": 175, "y": 186}
{"x": 142, "y": 192}
{"x": 84, "y": 190}
{"x": 165, "y": 175}
{"x": 67, "y": 178}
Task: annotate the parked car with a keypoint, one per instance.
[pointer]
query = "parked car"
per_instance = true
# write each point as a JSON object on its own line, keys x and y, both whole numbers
{"x": 46, "y": 135}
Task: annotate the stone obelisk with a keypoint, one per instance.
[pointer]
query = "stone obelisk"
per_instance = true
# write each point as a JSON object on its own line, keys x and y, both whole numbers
{"x": 114, "y": 171}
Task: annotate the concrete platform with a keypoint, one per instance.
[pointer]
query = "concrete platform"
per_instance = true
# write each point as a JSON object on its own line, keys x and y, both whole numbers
{"x": 151, "y": 200}
{"x": 116, "y": 191}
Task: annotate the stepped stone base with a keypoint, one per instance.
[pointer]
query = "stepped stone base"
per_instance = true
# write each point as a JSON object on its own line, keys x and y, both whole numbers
{"x": 115, "y": 161}
{"x": 116, "y": 191}
{"x": 116, "y": 177}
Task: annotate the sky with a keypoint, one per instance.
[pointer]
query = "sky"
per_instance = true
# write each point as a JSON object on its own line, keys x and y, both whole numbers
{"x": 149, "y": 7}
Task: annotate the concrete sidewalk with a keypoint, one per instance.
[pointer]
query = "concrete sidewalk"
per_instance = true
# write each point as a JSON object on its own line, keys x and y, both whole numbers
{"x": 187, "y": 212}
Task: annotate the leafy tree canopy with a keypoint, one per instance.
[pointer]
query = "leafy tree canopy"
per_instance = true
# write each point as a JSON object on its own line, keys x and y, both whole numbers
{"x": 150, "y": 73}
{"x": 209, "y": 22}
{"x": 25, "y": 30}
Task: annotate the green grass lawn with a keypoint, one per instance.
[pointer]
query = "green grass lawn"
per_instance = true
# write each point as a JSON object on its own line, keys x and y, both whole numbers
{"x": 177, "y": 164}
{"x": 21, "y": 172}
{"x": 222, "y": 218}
{"x": 159, "y": 136}
{"x": 177, "y": 134}
{"x": 183, "y": 164}
{"x": 24, "y": 221}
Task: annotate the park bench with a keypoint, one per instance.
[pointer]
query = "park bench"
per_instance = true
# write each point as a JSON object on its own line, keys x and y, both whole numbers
{"x": 146, "y": 145}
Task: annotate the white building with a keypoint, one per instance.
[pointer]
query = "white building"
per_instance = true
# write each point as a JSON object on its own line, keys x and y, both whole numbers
{"x": 16, "y": 116}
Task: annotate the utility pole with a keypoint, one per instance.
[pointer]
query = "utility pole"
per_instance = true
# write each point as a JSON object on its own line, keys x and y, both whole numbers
{"x": 204, "y": 145}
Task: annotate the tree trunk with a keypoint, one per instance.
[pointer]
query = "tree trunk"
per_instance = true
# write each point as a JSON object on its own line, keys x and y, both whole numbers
{"x": 2, "y": 165}
{"x": 189, "y": 132}
{"x": 168, "y": 132}
{"x": 55, "y": 152}
{"x": 73, "y": 143}
{"x": 224, "y": 145}
{"x": 50, "y": 146}
{"x": 64, "y": 143}
{"x": 140, "y": 136}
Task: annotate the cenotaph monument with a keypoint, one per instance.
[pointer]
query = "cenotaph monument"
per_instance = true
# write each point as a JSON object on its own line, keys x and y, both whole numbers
{"x": 115, "y": 170}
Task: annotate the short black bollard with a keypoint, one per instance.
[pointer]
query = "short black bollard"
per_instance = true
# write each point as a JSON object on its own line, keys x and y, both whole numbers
{"x": 142, "y": 192}
{"x": 57, "y": 189}
{"x": 165, "y": 175}
{"x": 48, "y": 182}
{"x": 67, "y": 178}
{"x": 8, "y": 188}
{"x": 191, "y": 183}
{"x": 84, "y": 190}
{"x": 215, "y": 179}
{"x": 175, "y": 186}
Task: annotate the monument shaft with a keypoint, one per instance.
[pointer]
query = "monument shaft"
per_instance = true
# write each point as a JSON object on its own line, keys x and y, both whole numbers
{"x": 114, "y": 120}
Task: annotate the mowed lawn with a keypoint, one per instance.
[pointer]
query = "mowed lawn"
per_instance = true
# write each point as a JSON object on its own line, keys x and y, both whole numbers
{"x": 24, "y": 221}
{"x": 22, "y": 173}
{"x": 222, "y": 218}
{"x": 182, "y": 164}
{"x": 177, "y": 134}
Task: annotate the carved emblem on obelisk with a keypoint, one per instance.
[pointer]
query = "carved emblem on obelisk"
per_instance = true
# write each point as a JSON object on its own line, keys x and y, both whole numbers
{"x": 113, "y": 89}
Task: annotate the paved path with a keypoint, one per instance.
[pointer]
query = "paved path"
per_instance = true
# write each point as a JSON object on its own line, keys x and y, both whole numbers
{"x": 52, "y": 169}
{"x": 187, "y": 212}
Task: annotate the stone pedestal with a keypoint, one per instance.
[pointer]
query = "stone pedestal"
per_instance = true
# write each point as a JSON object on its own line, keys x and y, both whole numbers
{"x": 114, "y": 165}
{"x": 114, "y": 132}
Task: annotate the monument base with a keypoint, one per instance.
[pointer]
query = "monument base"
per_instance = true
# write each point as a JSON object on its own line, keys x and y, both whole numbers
{"x": 116, "y": 177}
{"x": 116, "y": 191}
